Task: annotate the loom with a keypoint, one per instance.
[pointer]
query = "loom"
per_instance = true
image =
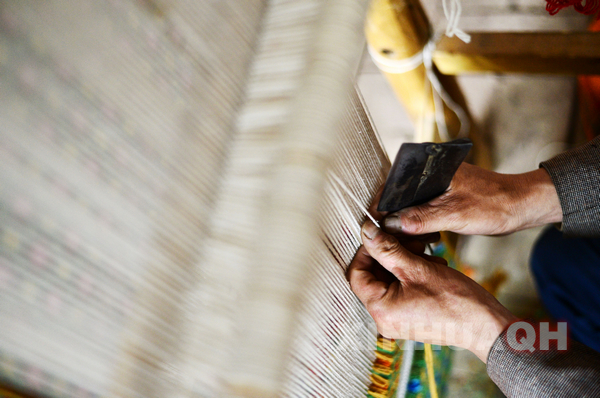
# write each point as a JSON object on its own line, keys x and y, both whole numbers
{"x": 181, "y": 192}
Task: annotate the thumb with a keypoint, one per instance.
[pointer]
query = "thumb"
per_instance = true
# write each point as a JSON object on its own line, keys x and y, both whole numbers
{"x": 417, "y": 220}
{"x": 386, "y": 250}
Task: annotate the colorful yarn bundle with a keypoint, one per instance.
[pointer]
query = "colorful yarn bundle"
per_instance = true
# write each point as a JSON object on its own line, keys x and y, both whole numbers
{"x": 384, "y": 375}
{"x": 422, "y": 382}
{"x": 586, "y": 7}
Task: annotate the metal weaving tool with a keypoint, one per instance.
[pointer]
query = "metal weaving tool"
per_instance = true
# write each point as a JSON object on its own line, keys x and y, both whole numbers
{"x": 421, "y": 172}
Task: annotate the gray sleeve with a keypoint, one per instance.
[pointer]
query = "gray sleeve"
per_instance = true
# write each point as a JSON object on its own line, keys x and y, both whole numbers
{"x": 556, "y": 374}
{"x": 576, "y": 176}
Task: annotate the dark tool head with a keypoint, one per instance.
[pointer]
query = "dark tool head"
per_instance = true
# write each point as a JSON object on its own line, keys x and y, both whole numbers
{"x": 421, "y": 172}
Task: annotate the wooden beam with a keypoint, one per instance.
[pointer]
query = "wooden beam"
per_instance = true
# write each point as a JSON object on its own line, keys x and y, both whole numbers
{"x": 565, "y": 53}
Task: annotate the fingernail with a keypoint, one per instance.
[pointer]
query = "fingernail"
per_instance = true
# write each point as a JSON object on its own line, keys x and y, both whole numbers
{"x": 369, "y": 230}
{"x": 393, "y": 223}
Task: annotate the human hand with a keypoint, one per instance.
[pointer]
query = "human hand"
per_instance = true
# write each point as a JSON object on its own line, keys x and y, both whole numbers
{"x": 482, "y": 202}
{"x": 411, "y": 295}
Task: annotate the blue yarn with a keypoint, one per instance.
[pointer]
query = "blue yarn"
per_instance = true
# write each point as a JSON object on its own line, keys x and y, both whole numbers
{"x": 414, "y": 386}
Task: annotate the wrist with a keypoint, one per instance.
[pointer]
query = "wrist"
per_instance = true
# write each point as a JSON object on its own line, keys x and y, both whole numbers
{"x": 536, "y": 201}
{"x": 489, "y": 330}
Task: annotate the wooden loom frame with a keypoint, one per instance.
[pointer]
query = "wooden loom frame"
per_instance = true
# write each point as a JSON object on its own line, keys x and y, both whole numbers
{"x": 399, "y": 29}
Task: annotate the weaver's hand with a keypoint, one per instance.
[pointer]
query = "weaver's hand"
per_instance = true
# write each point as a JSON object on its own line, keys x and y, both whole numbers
{"x": 411, "y": 295}
{"x": 482, "y": 202}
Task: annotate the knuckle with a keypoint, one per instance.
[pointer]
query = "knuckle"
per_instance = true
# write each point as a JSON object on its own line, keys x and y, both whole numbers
{"x": 363, "y": 293}
{"x": 387, "y": 244}
{"x": 418, "y": 220}
{"x": 360, "y": 290}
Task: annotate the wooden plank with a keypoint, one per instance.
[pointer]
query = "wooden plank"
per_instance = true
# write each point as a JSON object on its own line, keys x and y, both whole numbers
{"x": 565, "y": 53}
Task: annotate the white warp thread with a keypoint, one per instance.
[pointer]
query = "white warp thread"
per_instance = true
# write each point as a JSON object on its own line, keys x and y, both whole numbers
{"x": 354, "y": 198}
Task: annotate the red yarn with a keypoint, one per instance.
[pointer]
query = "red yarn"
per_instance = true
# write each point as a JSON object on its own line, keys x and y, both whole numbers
{"x": 590, "y": 7}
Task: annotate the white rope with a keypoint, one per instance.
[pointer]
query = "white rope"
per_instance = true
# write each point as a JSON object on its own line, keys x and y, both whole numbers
{"x": 442, "y": 95}
{"x": 395, "y": 65}
{"x": 452, "y": 13}
{"x": 438, "y": 106}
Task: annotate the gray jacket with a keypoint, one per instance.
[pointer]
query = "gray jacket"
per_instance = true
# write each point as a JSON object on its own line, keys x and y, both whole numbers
{"x": 576, "y": 372}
